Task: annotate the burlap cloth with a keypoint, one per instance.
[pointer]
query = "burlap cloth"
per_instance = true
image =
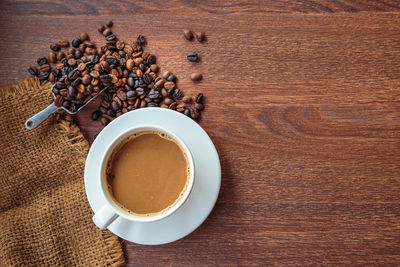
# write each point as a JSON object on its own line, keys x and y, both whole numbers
{"x": 45, "y": 218}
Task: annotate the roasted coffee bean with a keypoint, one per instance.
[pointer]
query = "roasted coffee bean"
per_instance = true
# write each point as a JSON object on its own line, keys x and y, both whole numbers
{"x": 81, "y": 67}
{"x": 59, "y": 85}
{"x": 78, "y": 54}
{"x": 51, "y": 77}
{"x": 143, "y": 104}
{"x": 95, "y": 74}
{"x": 143, "y": 67}
{"x": 188, "y": 34}
{"x": 192, "y": 56}
{"x": 111, "y": 113}
{"x": 141, "y": 40}
{"x": 73, "y": 75}
{"x": 43, "y": 76}
{"x": 33, "y": 71}
{"x": 198, "y": 106}
{"x": 170, "y": 92}
{"x": 66, "y": 104}
{"x": 76, "y": 42}
{"x": 102, "y": 109}
{"x": 109, "y": 24}
{"x": 86, "y": 79}
{"x": 104, "y": 121}
{"x": 60, "y": 56}
{"x": 199, "y": 98}
{"x": 173, "y": 105}
{"x": 101, "y": 28}
{"x": 200, "y": 36}
{"x": 194, "y": 113}
{"x": 88, "y": 43}
{"x": 168, "y": 101}
{"x": 63, "y": 92}
{"x": 58, "y": 101}
{"x": 121, "y": 95}
{"x": 63, "y": 43}
{"x": 111, "y": 37}
{"x": 154, "y": 68}
{"x": 165, "y": 74}
{"x": 186, "y": 112}
{"x": 158, "y": 89}
{"x": 180, "y": 107}
{"x": 84, "y": 36}
{"x": 130, "y": 94}
{"x": 140, "y": 91}
{"x": 177, "y": 94}
{"x": 171, "y": 78}
{"x": 71, "y": 62}
{"x": 56, "y": 73}
{"x": 52, "y": 57}
{"x": 114, "y": 106}
{"x": 72, "y": 91}
{"x": 138, "y": 60}
{"x": 55, "y": 47}
{"x": 152, "y": 104}
{"x": 41, "y": 61}
{"x": 160, "y": 83}
{"x": 196, "y": 76}
{"x": 76, "y": 82}
{"x": 112, "y": 60}
{"x": 187, "y": 99}
{"x": 73, "y": 108}
{"x": 154, "y": 94}
{"x": 130, "y": 81}
{"x": 147, "y": 78}
{"x": 151, "y": 60}
{"x": 95, "y": 115}
{"x": 107, "y": 32}
{"x": 169, "y": 85}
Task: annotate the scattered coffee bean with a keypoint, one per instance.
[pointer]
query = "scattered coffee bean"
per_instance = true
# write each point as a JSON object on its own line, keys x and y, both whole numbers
{"x": 200, "y": 36}
{"x": 187, "y": 99}
{"x": 192, "y": 56}
{"x": 196, "y": 76}
{"x": 55, "y": 47}
{"x": 84, "y": 36}
{"x": 172, "y": 78}
{"x": 43, "y": 76}
{"x": 101, "y": 28}
{"x": 141, "y": 40}
{"x": 107, "y": 32}
{"x": 199, "y": 98}
{"x": 76, "y": 42}
{"x": 104, "y": 121}
{"x": 63, "y": 43}
{"x": 52, "y": 57}
{"x": 188, "y": 34}
{"x": 33, "y": 71}
{"x": 41, "y": 61}
{"x": 186, "y": 112}
{"x": 194, "y": 113}
{"x": 109, "y": 24}
{"x": 198, "y": 106}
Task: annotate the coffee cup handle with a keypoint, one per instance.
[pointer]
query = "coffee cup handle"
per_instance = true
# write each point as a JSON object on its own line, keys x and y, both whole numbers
{"x": 104, "y": 217}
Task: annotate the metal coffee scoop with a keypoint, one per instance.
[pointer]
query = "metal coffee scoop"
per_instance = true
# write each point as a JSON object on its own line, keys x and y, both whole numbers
{"x": 35, "y": 120}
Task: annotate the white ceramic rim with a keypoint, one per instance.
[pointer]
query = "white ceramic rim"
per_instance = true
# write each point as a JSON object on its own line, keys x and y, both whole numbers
{"x": 106, "y": 194}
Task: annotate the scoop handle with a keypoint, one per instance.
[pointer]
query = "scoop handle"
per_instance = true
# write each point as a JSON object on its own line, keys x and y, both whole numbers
{"x": 37, "y": 119}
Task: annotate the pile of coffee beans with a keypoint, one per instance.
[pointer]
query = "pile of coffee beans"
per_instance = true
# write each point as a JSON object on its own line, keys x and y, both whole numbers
{"x": 130, "y": 77}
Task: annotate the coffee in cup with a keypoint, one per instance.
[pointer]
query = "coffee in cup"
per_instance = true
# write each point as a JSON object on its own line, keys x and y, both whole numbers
{"x": 147, "y": 173}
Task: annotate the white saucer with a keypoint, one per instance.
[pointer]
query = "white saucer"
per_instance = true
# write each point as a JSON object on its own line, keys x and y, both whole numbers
{"x": 206, "y": 186}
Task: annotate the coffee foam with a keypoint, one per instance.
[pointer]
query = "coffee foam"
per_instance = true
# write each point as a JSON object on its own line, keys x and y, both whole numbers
{"x": 115, "y": 150}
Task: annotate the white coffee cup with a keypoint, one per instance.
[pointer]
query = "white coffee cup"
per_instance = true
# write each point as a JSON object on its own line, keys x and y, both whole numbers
{"x": 111, "y": 210}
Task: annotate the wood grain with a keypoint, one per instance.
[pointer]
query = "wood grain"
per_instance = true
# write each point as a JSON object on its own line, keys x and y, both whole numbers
{"x": 304, "y": 110}
{"x": 133, "y": 8}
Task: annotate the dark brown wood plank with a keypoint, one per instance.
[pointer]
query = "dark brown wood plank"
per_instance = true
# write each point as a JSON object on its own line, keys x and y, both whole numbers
{"x": 304, "y": 110}
{"x": 133, "y": 8}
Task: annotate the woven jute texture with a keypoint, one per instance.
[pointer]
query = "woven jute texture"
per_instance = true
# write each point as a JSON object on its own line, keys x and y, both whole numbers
{"x": 45, "y": 218}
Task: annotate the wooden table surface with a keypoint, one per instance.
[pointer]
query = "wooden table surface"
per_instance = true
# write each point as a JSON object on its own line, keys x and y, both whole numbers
{"x": 302, "y": 103}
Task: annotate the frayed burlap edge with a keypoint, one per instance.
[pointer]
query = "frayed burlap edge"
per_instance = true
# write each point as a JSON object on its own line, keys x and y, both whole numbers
{"x": 64, "y": 123}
